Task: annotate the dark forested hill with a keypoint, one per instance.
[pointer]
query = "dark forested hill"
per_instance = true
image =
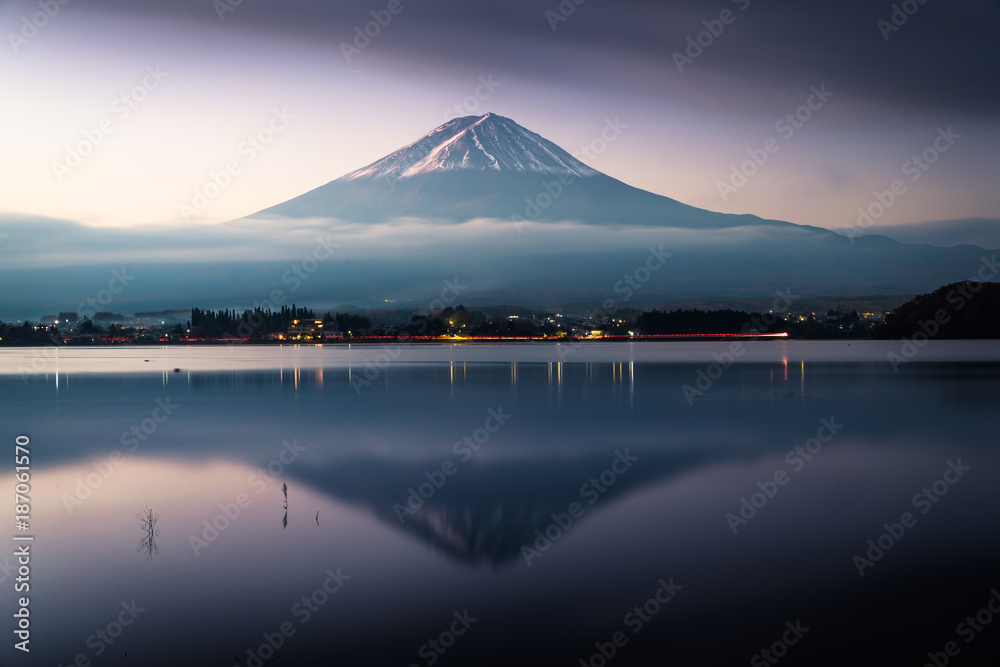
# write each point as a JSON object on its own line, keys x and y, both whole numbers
{"x": 960, "y": 310}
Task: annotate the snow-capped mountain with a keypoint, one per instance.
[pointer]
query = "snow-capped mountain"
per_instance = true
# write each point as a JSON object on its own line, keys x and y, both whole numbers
{"x": 490, "y": 167}
{"x": 484, "y": 143}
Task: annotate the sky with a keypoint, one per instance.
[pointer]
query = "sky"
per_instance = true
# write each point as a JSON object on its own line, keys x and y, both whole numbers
{"x": 119, "y": 112}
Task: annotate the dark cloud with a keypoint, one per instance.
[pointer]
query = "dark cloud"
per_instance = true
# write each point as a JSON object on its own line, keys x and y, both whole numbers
{"x": 945, "y": 58}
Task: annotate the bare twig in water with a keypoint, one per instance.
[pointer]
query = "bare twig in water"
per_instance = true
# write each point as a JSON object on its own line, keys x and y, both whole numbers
{"x": 284, "y": 521}
{"x": 147, "y": 526}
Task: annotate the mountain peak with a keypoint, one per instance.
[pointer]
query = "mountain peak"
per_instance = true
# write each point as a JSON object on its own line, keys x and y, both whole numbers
{"x": 481, "y": 143}
{"x": 488, "y": 167}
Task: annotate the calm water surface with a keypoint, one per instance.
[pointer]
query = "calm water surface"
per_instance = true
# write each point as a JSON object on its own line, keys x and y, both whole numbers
{"x": 514, "y": 504}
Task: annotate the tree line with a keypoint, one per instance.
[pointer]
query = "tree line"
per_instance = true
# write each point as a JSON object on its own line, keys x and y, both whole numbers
{"x": 259, "y": 322}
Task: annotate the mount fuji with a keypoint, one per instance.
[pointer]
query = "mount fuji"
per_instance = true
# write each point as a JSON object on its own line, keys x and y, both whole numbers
{"x": 490, "y": 167}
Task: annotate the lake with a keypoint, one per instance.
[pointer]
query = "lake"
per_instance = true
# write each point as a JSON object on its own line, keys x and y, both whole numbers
{"x": 607, "y": 503}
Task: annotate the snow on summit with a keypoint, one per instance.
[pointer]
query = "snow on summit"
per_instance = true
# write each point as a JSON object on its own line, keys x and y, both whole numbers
{"x": 483, "y": 143}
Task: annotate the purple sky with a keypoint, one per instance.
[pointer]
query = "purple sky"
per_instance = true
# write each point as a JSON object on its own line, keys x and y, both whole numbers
{"x": 196, "y": 87}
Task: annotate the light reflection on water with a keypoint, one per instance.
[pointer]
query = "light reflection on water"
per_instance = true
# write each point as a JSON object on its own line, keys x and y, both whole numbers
{"x": 349, "y": 459}
{"x": 165, "y": 359}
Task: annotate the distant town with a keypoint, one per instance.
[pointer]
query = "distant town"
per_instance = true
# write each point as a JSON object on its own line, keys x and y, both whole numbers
{"x": 960, "y": 310}
{"x": 507, "y": 323}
